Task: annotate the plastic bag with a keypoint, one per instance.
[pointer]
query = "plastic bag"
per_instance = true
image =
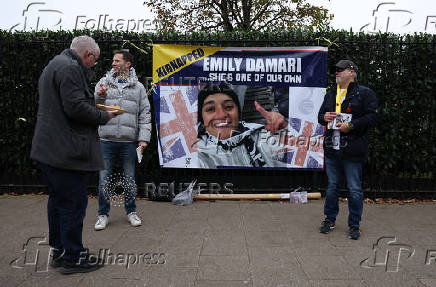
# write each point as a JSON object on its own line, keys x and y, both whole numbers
{"x": 185, "y": 197}
{"x": 298, "y": 196}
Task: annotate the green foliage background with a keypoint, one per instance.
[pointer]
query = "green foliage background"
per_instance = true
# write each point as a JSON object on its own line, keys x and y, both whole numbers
{"x": 401, "y": 70}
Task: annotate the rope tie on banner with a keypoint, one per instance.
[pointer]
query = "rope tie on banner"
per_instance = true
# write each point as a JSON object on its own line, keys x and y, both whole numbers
{"x": 149, "y": 44}
{"x": 136, "y": 47}
{"x": 330, "y": 43}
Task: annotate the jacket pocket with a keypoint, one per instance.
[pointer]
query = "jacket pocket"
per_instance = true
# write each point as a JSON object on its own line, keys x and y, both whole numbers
{"x": 80, "y": 146}
{"x": 356, "y": 146}
{"x": 356, "y": 107}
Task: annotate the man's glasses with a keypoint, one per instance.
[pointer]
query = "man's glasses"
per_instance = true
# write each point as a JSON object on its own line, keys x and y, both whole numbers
{"x": 95, "y": 59}
{"x": 340, "y": 69}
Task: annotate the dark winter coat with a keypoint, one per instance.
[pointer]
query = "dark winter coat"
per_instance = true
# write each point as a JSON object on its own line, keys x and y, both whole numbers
{"x": 361, "y": 102}
{"x": 66, "y": 134}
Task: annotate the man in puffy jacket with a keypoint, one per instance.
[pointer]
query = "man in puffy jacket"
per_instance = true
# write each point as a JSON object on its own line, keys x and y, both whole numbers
{"x": 346, "y": 143}
{"x": 66, "y": 147}
{"x": 121, "y": 136}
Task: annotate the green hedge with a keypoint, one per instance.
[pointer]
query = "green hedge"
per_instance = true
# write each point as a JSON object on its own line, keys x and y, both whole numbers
{"x": 402, "y": 71}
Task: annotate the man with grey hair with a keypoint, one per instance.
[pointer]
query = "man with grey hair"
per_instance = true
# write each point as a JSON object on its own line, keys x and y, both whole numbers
{"x": 84, "y": 44}
{"x": 66, "y": 146}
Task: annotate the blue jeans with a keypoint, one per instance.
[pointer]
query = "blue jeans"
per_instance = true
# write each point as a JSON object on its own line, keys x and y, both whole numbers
{"x": 66, "y": 210}
{"x": 335, "y": 169}
{"x": 124, "y": 154}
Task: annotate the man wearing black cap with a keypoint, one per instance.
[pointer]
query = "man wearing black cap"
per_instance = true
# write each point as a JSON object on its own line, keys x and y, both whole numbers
{"x": 346, "y": 143}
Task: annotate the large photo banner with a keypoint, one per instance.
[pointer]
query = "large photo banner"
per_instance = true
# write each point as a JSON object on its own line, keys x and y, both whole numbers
{"x": 214, "y": 106}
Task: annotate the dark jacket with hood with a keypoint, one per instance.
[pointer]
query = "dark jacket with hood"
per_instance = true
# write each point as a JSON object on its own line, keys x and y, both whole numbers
{"x": 361, "y": 102}
{"x": 66, "y": 134}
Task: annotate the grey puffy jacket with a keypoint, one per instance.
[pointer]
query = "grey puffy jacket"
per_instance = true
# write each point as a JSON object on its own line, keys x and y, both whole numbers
{"x": 135, "y": 123}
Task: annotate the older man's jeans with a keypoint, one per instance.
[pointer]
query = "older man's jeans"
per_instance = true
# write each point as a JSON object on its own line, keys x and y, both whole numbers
{"x": 66, "y": 210}
{"x": 352, "y": 170}
{"x": 123, "y": 154}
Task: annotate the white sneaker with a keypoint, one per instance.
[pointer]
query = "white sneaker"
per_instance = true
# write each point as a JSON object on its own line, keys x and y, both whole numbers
{"x": 134, "y": 219}
{"x": 101, "y": 223}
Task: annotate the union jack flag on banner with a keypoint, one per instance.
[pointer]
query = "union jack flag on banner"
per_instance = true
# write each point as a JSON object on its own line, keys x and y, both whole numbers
{"x": 177, "y": 126}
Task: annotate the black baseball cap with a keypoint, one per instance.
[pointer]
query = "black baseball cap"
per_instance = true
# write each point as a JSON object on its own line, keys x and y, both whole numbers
{"x": 347, "y": 64}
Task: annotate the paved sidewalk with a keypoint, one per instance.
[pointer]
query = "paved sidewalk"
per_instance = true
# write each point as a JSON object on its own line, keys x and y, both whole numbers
{"x": 229, "y": 244}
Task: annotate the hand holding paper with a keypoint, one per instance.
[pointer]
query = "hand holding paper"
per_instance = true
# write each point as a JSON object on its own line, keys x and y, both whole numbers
{"x": 341, "y": 118}
{"x": 139, "y": 153}
{"x": 140, "y": 149}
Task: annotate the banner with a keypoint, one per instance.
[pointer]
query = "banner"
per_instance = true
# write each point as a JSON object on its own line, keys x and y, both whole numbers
{"x": 206, "y": 116}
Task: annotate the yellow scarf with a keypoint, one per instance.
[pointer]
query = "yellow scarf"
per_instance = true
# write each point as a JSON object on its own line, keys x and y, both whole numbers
{"x": 339, "y": 98}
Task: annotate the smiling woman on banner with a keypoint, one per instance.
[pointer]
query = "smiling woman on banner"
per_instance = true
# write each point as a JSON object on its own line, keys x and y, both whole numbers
{"x": 225, "y": 141}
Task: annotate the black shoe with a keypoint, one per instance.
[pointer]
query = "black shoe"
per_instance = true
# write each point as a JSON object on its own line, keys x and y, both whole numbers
{"x": 56, "y": 262}
{"x": 326, "y": 227}
{"x": 354, "y": 233}
{"x": 83, "y": 265}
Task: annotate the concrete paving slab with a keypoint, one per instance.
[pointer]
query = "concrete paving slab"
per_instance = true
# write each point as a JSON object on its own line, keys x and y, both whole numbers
{"x": 180, "y": 257}
{"x": 224, "y": 243}
{"x": 228, "y": 283}
{"x": 174, "y": 277}
{"x": 273, "y": 257}
{"x": 338, "y": 283}
{"x": 287, "y": 277}
{"x": 234, "y": 243}
{"x": 183, "y": 238}
{"x": 53, "y": 279}
{"x": 327, "y": 267}
{"x": 229, "y": 223}
{"x": 428, "y": 282}
{"x": 389, "y": 283}
{"x": 262, "y": 224}
{"x": 12, "y": 279}
{"x": 267, "y": 238}
{"x": 234, "y": 268}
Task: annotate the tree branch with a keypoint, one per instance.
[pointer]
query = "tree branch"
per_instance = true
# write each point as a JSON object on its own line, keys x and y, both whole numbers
{"x": 231, "y": 14}
{"x": 261, "y": 12}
